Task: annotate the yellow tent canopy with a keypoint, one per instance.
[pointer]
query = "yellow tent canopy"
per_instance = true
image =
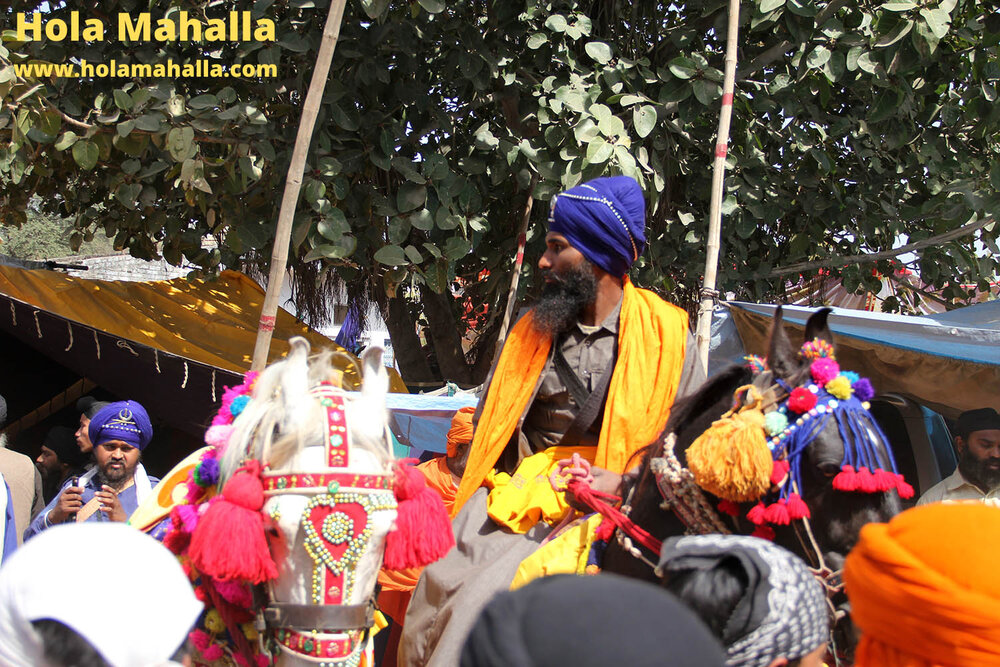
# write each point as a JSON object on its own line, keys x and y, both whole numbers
{"x": 158, "y": 339}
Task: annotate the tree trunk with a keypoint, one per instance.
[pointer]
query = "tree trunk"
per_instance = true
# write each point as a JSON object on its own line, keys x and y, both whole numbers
{"x": 443, "y": 331}
{"x": 410, "y": 356}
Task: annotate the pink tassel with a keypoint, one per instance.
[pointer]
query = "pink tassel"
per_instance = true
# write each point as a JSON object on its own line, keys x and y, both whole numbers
{"x": 200, "y": 640}
{"x": 777, "y": 513}
{"x": 846, "y": 479}
{"x": 212, "y": 653}
{"x": 884, "y": 480}
{"x": 779, "y": 472}
{"x": 903, "y": 488}
{"x": 423, "y": 527}
{"x": 218, "y": 435}
{"x": 757, "y": 514}
{"x": 230, "y": 541}
{"x": 729, "y": 507}
{"x": 866, "y": 481}
{"x": 605, "y": 530}
{"x": 797, "y": 508}
{"x": 764, "y": 533}
{"x": 234, "y": 592}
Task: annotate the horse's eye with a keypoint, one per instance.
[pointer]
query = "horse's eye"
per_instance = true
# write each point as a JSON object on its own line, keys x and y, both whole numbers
{"x": 828, "y": 469}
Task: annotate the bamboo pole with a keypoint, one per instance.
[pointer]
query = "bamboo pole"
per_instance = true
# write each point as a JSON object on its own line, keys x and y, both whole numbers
{"x": 708, "y": 291}
{"x": 293, "y": 183}
{"x": 522, "y": 239}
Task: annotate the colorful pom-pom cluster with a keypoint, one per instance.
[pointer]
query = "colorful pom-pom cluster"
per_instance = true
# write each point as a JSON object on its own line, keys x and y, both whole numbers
{"x": 817, "y": 348}
{"x": 754, "y": 363}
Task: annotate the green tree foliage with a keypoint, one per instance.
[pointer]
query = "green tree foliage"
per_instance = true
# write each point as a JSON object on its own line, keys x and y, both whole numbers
{"x": 46, "y": 236}
{"x": 855, "y": 124}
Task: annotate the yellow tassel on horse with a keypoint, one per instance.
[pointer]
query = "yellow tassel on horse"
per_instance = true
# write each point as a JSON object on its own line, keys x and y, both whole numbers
{"x": 731, "y": 459}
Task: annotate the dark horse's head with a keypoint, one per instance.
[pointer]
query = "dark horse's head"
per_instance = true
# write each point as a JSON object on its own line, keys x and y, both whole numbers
{"x": 837, "y": 516}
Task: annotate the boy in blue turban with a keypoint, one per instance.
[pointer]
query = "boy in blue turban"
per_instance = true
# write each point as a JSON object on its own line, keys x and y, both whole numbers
{"x": 114, "y": 488}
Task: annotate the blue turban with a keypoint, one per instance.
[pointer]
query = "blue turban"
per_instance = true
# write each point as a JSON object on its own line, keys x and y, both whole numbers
{"x": 605, "y": 219}
{"x": 125, "y": 420}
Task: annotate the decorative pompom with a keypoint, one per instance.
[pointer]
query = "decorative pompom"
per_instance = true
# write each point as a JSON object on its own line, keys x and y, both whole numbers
{"x": 218, "y": 435}
{"x": 775, "y": 422}
{"x": 801, "y": 400}
{"x": 206, "y": 473}
{"x": 754, "y": 363}
{"x": 839, "y": 387}
{"x": 756, "y": 514}
{"x": 199, "y": 592}
{"x": 229, "y": 541}
{"x": 866, "y": 481}
{"x": 864, "y": 390}
{"x": 764, "y": 533}
{"x": 824, "y": 369}
{"x": 423, "y": 527}
{"x": 186, "y": 517}
{"x": 903, "y": 488}
{"x": 213, "y": 652}
{"x": 729, "y": 507}
{"x": 213, "y": 621}
{"x": 846, "y": 479}
{"x": 779, "y": 472}
{"x": 817, "y": 348}
{"x": 176, "y": 541}
{"x": 884, "y": 480}
{"x": 777, "y": 513}
{"x": 238, "y": 405}
{"x": 851, "y": 376}
{"x": 797, "y": 508}
{"x": 200, "y": 640}
{"x": 731, "y": 458}
{"x": 235, "y": 592}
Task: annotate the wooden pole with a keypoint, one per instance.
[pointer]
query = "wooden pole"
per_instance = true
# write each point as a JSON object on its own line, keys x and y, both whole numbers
{"x": 708, "y": 291}
{"x": 522, "y": 239}
{"x": 293, "y": 183}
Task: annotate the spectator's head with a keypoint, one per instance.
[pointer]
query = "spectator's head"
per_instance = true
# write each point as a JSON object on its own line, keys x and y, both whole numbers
{"x": 460, "y": 433}
{"x": 135, "y": 614}
{"x": 978, "y": 441}
{"x": 88, "y": 406}
{"x": 119, "y": 431}
{"x": 596, "y": 232}
{"x": 760, "y": 600}
{"x": 925, "y": 589}
{"x": 589, "y": 621}
{"x": 59, "y": 454}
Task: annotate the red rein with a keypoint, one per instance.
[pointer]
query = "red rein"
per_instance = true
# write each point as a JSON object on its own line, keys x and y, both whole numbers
{"x": 600, "y": 502}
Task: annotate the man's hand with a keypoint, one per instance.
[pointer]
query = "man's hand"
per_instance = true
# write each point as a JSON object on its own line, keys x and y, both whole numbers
{"x": 604, "y": 481}
{"x": 70, "y": 502}
{"x": 110, "y": 505}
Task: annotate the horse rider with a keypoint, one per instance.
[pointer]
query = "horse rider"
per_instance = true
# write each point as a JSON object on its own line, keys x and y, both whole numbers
{"x": 593, "y": 368}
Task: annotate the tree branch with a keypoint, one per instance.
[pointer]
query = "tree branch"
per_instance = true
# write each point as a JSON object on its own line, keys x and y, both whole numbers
{"x": 964, "y": 230}
{"x": 776, "y": 51}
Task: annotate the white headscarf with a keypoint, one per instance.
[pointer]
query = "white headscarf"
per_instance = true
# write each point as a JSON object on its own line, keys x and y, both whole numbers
{"x": 118, "y": 588}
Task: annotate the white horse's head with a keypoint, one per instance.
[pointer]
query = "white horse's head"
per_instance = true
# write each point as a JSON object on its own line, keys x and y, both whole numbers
{"x": 328, "y": 484}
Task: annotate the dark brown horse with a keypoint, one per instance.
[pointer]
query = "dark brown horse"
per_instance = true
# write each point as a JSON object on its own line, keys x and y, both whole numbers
{"x": 836, "y": 516}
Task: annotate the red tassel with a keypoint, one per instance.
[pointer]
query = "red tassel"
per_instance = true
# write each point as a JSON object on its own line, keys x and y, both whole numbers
{"x": 764, "y": 533}
{"x": 866, "y": 481}
{"x": 846, "y": 479}
{"x": 797, "y": 508}
{"x": 605, "y": 530}
{"x": 423, "y": 527}
{"x": 779, "y": 472}
{"x": 903, "y": 488}
{"x": 230, "y": 541}
{"x": 757, "y": 513}
{"x": 729, "y": 507}
{"x": 884, "y": 480}
{"x": 777, "y": 513}
{"x": 176, "y": 541}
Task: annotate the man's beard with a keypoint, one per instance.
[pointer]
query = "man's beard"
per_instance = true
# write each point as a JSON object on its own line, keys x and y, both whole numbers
{"x": 563, "y": 301}
{"x": 116, "y": 478}
{"x": 979, "y": 472}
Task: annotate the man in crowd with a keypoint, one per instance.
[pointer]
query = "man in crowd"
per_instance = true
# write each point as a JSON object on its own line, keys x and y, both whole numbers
{"x": 23, "y": 479}
{"x": 59, "y": 459}
{"x": 977, "y": 477}
{"x": 88, "y": 406}
{"x": 593, "y": 369}
{"x": 112, "y": 489}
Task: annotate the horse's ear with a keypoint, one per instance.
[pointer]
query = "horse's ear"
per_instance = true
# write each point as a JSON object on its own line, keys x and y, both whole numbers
{"x": 817, "y": 327}
{"x": 781, "y": 357}
{"x": 375, "y": 379}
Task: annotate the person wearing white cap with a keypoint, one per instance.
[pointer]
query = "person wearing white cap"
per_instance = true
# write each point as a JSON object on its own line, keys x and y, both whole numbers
{"x": 46, "y": 607}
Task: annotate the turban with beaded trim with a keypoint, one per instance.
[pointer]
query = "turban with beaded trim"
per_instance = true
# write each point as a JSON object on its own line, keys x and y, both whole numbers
{"x": 126, "y": 421}
{"x": 605, "y": 219}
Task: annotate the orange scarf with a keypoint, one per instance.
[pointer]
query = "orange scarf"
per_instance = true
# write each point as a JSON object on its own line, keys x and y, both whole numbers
{"x": 924, "y": 588}
{"x": 651, "y": 341}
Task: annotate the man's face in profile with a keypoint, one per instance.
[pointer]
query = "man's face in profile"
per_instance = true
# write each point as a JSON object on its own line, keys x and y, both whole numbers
{"x": 979, "y": 458}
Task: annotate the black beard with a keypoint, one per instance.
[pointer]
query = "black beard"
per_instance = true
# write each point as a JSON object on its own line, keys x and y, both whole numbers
{"x": 978, "y": 472}
{"x": 114, "y": 478}
{"x": 563, "y": 301}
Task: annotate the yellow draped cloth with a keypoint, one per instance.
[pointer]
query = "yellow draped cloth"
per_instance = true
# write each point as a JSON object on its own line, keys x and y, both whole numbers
{"x": 566, "y": 554}
{"x": 925, "y": 589}
{"x": 651, "y": 344}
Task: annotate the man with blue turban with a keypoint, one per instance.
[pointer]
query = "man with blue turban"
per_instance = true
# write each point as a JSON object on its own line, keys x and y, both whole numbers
{"x": 592, "y": 369}
{"x": 115, "y": 487}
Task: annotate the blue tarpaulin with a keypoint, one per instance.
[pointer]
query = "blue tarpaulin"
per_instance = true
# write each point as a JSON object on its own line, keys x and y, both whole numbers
{"x": 422, "y": 422}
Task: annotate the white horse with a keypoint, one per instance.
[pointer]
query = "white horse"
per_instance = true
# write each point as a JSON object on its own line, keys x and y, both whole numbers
{"x": 327, "y": 475}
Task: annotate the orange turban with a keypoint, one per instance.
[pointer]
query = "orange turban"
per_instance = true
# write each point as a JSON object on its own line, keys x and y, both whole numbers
{"x": 925, "y": 588}
{"x": 461, "y": 430}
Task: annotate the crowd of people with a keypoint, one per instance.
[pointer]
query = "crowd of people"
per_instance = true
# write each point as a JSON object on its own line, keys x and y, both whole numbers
{"x": 593, "y": 369}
